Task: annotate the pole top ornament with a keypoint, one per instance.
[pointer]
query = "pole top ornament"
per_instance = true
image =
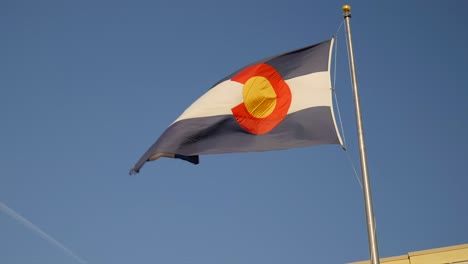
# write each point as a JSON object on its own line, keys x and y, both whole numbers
{"x": 346, "y": 8}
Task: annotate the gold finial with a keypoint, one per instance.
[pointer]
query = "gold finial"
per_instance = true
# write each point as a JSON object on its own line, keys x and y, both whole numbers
{"x": 346, "y": 8}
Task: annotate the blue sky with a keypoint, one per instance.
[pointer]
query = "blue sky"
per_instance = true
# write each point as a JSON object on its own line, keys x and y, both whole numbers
{"x": 87, "y": 86}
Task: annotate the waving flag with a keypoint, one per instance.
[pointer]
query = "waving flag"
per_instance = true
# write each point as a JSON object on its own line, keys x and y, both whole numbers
{"x": 281, "y": 102}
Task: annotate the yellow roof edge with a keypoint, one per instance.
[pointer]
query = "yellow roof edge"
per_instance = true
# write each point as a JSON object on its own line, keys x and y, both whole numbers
{"x": 383, "y": 260}
{"x": 435, "y": 250}
{"x": 394, "y": 258}
{"x": 416, "y": 253}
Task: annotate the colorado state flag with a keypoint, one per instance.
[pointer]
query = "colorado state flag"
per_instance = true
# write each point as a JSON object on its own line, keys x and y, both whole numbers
{"x": 281, "y": 102}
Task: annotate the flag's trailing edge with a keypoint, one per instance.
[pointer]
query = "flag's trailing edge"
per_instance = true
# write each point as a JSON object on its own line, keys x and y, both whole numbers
{"x": 281, "y": 102}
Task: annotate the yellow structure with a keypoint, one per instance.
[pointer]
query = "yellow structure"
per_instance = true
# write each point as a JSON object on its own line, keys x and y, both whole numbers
{"x": 446, "y": 255}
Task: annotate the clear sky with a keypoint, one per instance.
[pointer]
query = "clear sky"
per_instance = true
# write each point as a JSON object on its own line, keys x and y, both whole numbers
{"x": 87, "y": 86}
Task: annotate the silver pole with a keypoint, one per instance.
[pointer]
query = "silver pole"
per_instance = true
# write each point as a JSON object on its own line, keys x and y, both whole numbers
{"x": 371, "y": 234}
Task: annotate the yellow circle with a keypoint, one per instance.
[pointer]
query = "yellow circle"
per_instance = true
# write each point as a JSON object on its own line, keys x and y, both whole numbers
{"x": 259, "y": 96}
{"x": 346, "y": 8}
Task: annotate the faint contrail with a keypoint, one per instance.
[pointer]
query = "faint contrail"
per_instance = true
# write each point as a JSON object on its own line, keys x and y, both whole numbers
{"x": 38, "y": 231}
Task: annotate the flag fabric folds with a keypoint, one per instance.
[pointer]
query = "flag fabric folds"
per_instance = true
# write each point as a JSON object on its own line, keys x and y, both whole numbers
{"x": 280, "y": 102}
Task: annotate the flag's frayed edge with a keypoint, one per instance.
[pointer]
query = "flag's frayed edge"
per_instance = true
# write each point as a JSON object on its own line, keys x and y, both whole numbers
{"x": 192, "y": 159}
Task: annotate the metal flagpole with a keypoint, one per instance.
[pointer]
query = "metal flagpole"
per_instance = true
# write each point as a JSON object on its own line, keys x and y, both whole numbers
{"x": 373, "y": 248}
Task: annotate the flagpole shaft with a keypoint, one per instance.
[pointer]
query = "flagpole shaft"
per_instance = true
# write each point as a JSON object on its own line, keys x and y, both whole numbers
{"x": 373, "y": 248}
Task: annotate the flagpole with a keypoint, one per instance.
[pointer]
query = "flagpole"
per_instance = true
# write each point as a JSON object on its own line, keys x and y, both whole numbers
{"x": 373, "y": 248}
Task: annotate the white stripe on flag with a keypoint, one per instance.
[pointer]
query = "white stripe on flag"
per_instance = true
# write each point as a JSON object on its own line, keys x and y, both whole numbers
{"x": 307, "y": 91}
